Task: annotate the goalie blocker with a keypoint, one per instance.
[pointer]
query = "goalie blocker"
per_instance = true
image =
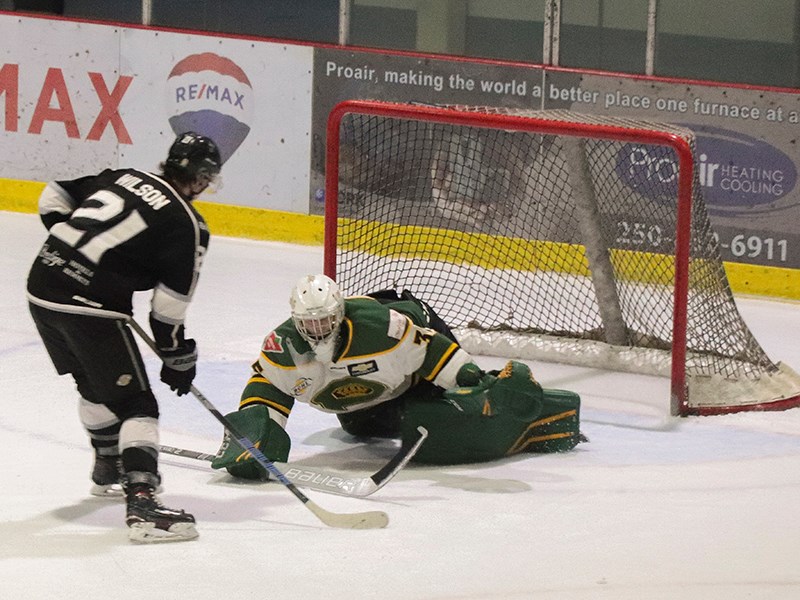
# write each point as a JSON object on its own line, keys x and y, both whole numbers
{"x": 488, "y": 417}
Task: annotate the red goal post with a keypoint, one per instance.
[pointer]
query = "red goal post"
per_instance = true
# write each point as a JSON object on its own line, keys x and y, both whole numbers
{"x": 508, "y": 222}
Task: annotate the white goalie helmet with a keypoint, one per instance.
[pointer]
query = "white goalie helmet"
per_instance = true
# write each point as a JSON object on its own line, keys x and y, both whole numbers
{"x": 317, "y": 308}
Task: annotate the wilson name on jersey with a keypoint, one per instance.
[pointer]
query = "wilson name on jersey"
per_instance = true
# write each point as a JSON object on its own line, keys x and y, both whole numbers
{"x": 113, "y": 234}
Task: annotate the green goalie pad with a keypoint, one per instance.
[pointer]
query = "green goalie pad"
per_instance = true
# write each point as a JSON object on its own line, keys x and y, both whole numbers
{"x": 269, "y": 437}
{"x": 504, "y": 414}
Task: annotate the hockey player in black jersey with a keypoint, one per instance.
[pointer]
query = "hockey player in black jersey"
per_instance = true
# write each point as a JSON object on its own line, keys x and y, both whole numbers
{"x": 110, "y": 235}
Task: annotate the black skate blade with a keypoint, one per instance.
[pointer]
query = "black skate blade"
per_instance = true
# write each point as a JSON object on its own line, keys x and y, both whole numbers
{"x": 148, "y": 533}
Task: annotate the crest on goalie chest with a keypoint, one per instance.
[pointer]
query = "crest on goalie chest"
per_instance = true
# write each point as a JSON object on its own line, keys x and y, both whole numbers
{"x": 351, "y": 390}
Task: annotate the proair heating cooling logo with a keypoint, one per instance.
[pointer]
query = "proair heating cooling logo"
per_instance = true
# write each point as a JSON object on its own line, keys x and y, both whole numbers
{"x": 210, "y": 94}
{"x": 739, "y": 174}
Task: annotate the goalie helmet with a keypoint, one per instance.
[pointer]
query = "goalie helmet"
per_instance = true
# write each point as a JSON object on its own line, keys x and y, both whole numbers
{"x": 193, "y": 158}
{"x": 317, "y": 308}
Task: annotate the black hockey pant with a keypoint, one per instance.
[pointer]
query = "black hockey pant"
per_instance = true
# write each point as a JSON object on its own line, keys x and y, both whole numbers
{"x": 104, "y": 360}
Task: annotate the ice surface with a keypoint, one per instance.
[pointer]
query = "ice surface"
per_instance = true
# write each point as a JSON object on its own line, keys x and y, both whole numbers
{"x": 652, "y": 508}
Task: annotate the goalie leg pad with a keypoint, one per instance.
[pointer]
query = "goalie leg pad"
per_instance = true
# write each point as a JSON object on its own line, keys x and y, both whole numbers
{"x": 267, "y": 435}
{"x": 504, "y": 414}
{"x": 556, "y": 429}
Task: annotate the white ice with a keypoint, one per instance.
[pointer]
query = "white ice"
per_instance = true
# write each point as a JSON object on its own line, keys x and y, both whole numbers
{"x": 652, "y": 508}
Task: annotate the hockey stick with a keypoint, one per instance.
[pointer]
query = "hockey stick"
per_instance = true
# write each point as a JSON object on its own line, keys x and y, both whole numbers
{"x": 365, "y": 520}
{"x": 328, "y": 482}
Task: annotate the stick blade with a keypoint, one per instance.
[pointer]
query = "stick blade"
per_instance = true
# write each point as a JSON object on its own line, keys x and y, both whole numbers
{"x": 375, "y": 519}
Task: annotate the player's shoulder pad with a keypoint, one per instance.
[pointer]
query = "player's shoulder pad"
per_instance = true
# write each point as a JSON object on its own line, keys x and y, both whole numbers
{"x": 282, "y": 345}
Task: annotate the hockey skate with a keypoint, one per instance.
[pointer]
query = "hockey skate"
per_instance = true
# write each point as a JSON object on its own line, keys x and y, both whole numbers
{"x": 106, "y": 477}
{"x": 149, "y": 520}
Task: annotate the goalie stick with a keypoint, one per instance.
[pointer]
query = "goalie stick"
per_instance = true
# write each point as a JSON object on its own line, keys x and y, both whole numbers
{"x": 375, "y": 519}
{"x": 328, "y": 482}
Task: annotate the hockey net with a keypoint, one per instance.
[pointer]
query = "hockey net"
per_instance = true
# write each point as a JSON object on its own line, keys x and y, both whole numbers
{"x": 547, "y": 235}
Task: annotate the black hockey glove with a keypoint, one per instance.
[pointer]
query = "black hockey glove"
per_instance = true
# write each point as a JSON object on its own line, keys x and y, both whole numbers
{"x": 179, "y": 367}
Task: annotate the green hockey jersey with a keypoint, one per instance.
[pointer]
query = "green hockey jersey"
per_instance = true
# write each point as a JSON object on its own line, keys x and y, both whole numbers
{"x": 382, "y": 350}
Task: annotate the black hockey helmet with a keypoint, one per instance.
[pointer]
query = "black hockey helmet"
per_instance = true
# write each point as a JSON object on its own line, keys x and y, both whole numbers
{"x": 193, "y": 156}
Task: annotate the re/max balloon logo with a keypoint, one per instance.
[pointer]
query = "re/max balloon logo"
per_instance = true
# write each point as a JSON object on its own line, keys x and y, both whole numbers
{"x": 739, "y": 174}
{"x": 212, "y": 95}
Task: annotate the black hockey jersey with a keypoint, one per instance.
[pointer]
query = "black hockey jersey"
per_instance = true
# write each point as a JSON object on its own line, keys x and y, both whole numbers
{"x": 113, "y": 234}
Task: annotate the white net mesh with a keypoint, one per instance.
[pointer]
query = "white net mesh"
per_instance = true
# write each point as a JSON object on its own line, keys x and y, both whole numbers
{"x": 545, "y": 245}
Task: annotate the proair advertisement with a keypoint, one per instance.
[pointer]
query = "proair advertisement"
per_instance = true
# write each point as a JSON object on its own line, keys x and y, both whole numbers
{"x": 746, "y": 139}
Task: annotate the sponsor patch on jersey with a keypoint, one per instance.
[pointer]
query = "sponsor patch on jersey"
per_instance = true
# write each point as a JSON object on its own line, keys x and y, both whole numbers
{"x": 272, "y": 343}
{"x": 51, "y": 258}
{"x": 361, "y": 369}
{"x": 351, "y": 390}
{"x": 300, "y": 386}
{"x": 397, "y": 325}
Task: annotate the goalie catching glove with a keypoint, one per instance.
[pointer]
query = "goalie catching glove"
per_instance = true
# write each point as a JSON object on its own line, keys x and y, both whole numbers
{"x": 501, "y": 414}
{"x": 268, "y": 436}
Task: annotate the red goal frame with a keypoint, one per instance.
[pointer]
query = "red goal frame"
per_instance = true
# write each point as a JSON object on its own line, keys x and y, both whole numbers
{"x": 679, "y": 404}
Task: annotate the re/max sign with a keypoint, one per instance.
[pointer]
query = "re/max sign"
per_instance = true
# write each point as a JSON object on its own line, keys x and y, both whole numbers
{"x": 54, "y": 103}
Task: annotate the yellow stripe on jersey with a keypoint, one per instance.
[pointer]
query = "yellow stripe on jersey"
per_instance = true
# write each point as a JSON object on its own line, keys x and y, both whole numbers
{"x": 274, "y": 364}
{"x": 349, "y": 337}
{"x": 442, "y": 362}
{"x": 257, "y": 378}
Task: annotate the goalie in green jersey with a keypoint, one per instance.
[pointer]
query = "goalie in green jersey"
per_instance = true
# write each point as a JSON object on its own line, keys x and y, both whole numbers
{"x": 386, "y": 364}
